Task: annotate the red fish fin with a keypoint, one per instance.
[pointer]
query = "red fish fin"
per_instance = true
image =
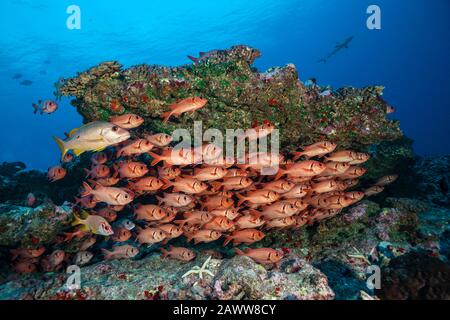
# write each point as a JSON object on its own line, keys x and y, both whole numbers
{"x": 87, "y": 190}
{"x": 165, "y": 253}
{"x": 227, "y": 240}
{"x": 239, "y": 252}
{"x": 166, "y": 116}
{"x": 106, "y": 254}
{"x": 242, "y": 199}
{"x": 156, "y": 158}
{"x": 160, "y": 200}
{"x": 280, "y": 173}
{"x": 180, "y": 222}
{"x": 167, "y": 184}
{"x": 216, "y": 185}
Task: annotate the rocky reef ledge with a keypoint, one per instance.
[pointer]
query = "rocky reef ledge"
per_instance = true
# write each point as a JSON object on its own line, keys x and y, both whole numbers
{"x": 238, "y": 95}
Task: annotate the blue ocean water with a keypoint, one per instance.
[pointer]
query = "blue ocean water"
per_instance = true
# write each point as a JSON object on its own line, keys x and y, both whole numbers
{"x": 409, "y": 55}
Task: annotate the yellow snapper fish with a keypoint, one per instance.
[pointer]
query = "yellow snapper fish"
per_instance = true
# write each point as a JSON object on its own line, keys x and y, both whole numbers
{"x": 93, "y": 136}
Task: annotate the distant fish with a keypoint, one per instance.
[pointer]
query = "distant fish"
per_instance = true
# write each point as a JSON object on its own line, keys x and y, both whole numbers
{"x": 339, "y": 46}
{"x": 46, "y": 107}
{"x": 389, "y": 109}
{"x": 26, "y": 83}
{"x": 17, "y": 76}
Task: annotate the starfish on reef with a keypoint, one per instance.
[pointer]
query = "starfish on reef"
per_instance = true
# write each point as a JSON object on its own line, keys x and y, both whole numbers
{"x": 200, "y": 270}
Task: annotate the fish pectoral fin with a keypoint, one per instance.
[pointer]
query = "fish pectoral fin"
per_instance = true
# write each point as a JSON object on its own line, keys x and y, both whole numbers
{"x": 78, "y": 151}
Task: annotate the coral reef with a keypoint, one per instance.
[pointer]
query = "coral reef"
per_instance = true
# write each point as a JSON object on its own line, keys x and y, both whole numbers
{"x": 151, "y": 278}
{"x": 434, "y": 179}
{"x": 415, "y": 276}
{"x": 31, "y": 227}
{"x": 237, "y": 96}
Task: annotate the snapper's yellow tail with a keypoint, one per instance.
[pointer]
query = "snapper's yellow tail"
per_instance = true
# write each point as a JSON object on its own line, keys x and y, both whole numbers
{"x": 61, "y": 146}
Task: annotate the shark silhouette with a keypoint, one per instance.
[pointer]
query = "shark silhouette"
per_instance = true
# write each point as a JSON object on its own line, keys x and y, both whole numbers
{"x": 339, "y": 46}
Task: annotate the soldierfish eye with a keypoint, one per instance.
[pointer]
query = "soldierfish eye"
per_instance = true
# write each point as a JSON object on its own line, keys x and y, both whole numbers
{"x": 115, "y": 128}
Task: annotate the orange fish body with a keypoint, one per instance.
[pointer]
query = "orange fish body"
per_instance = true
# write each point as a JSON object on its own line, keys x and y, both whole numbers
{"x": 371, "y": 191}
{"x": 217, "y": 202}
{"x": 247, "y": 236}
{"x": 280, "y": 223}
{"x": 173, "y": 157}
{"x": 99, "y": 158}
{"x": 186, "y": 105}
{"x": 230, "y": 213}
{"x": 221, "y": 224}
{"x": 150, "y": 235}
{"x": 27, "y": 253}
{"x": 120, "y": 252}
{"x": 317, "y": 149}
{"x": 209, "y": 173}
{"x": 127, "y": 121}
{"x": 109, "y": 195}
{"x": 135, "y": 147}
{"x": 258, "y": 197}
{"x": 187, "y": 185}
{"x": 342, "y": 156}
{"x": 149, "y": 212}
{"x": 56, "y": 173}
{"x": 383, "y": 181}
{"x": 97, "y": 171}
{"x": 307, "y": 168}
{"x": 195, "y": 217}
{"x": 203, "y": 235}
{"x": 132, "y": 169}
{"x": 146, "y": 184}
{"x": 107, "y": 213}
{"x": 298, "y": 191}
{"x": 249, "y": 221}
{"x": 121, "y": 235}
{"x": 324, "y": 186}
{"x": 168, "y": 173}
{"x": 159, "y": 139}
{"x": 175, "y": 199}
{"x": 178, "y": 253}
{"x": 261, "y": 255}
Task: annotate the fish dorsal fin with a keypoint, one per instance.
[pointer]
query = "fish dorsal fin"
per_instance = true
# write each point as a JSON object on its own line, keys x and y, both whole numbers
{"x": 72, "y": 132}
{"x": 255, "y": 123}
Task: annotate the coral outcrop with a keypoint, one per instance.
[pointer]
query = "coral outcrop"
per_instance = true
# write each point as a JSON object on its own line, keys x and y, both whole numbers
{"x": 151, "y": 278}
{"x": 237, "y": 96}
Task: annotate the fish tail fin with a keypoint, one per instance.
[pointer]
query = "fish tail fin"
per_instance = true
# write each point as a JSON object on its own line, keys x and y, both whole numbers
{"x": 239, "y": 252}
{"x": 106, "y": 253}
{"x": 35, "y": 107}
{"x": 166, "y": 115}
{"x": 77, "y": 220}
{"x": 242, "y": 199}
{"x": 227, "y": 240}
{"x": 165, "y": 253}
{"x": 14, "y": 254}
{"x": 167, "y": 184}
{"x": 189, "y": 236}
{"x": 180, "y": 222}
{"x": 280, "y": 173}
{"x": 297, "y": 155}
{"x": 156, "y": 158}
{"x": 160, "y": 200}
{"x": 62, "y": 146}
{"x": 87, "y": 189}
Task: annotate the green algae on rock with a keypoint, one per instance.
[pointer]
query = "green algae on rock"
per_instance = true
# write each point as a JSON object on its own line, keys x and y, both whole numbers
{"x": 30, "y": 227}
{"x": 237, "y": 96}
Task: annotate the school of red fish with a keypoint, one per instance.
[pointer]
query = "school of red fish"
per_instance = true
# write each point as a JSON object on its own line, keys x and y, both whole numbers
{"x": 178, "y": 196}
